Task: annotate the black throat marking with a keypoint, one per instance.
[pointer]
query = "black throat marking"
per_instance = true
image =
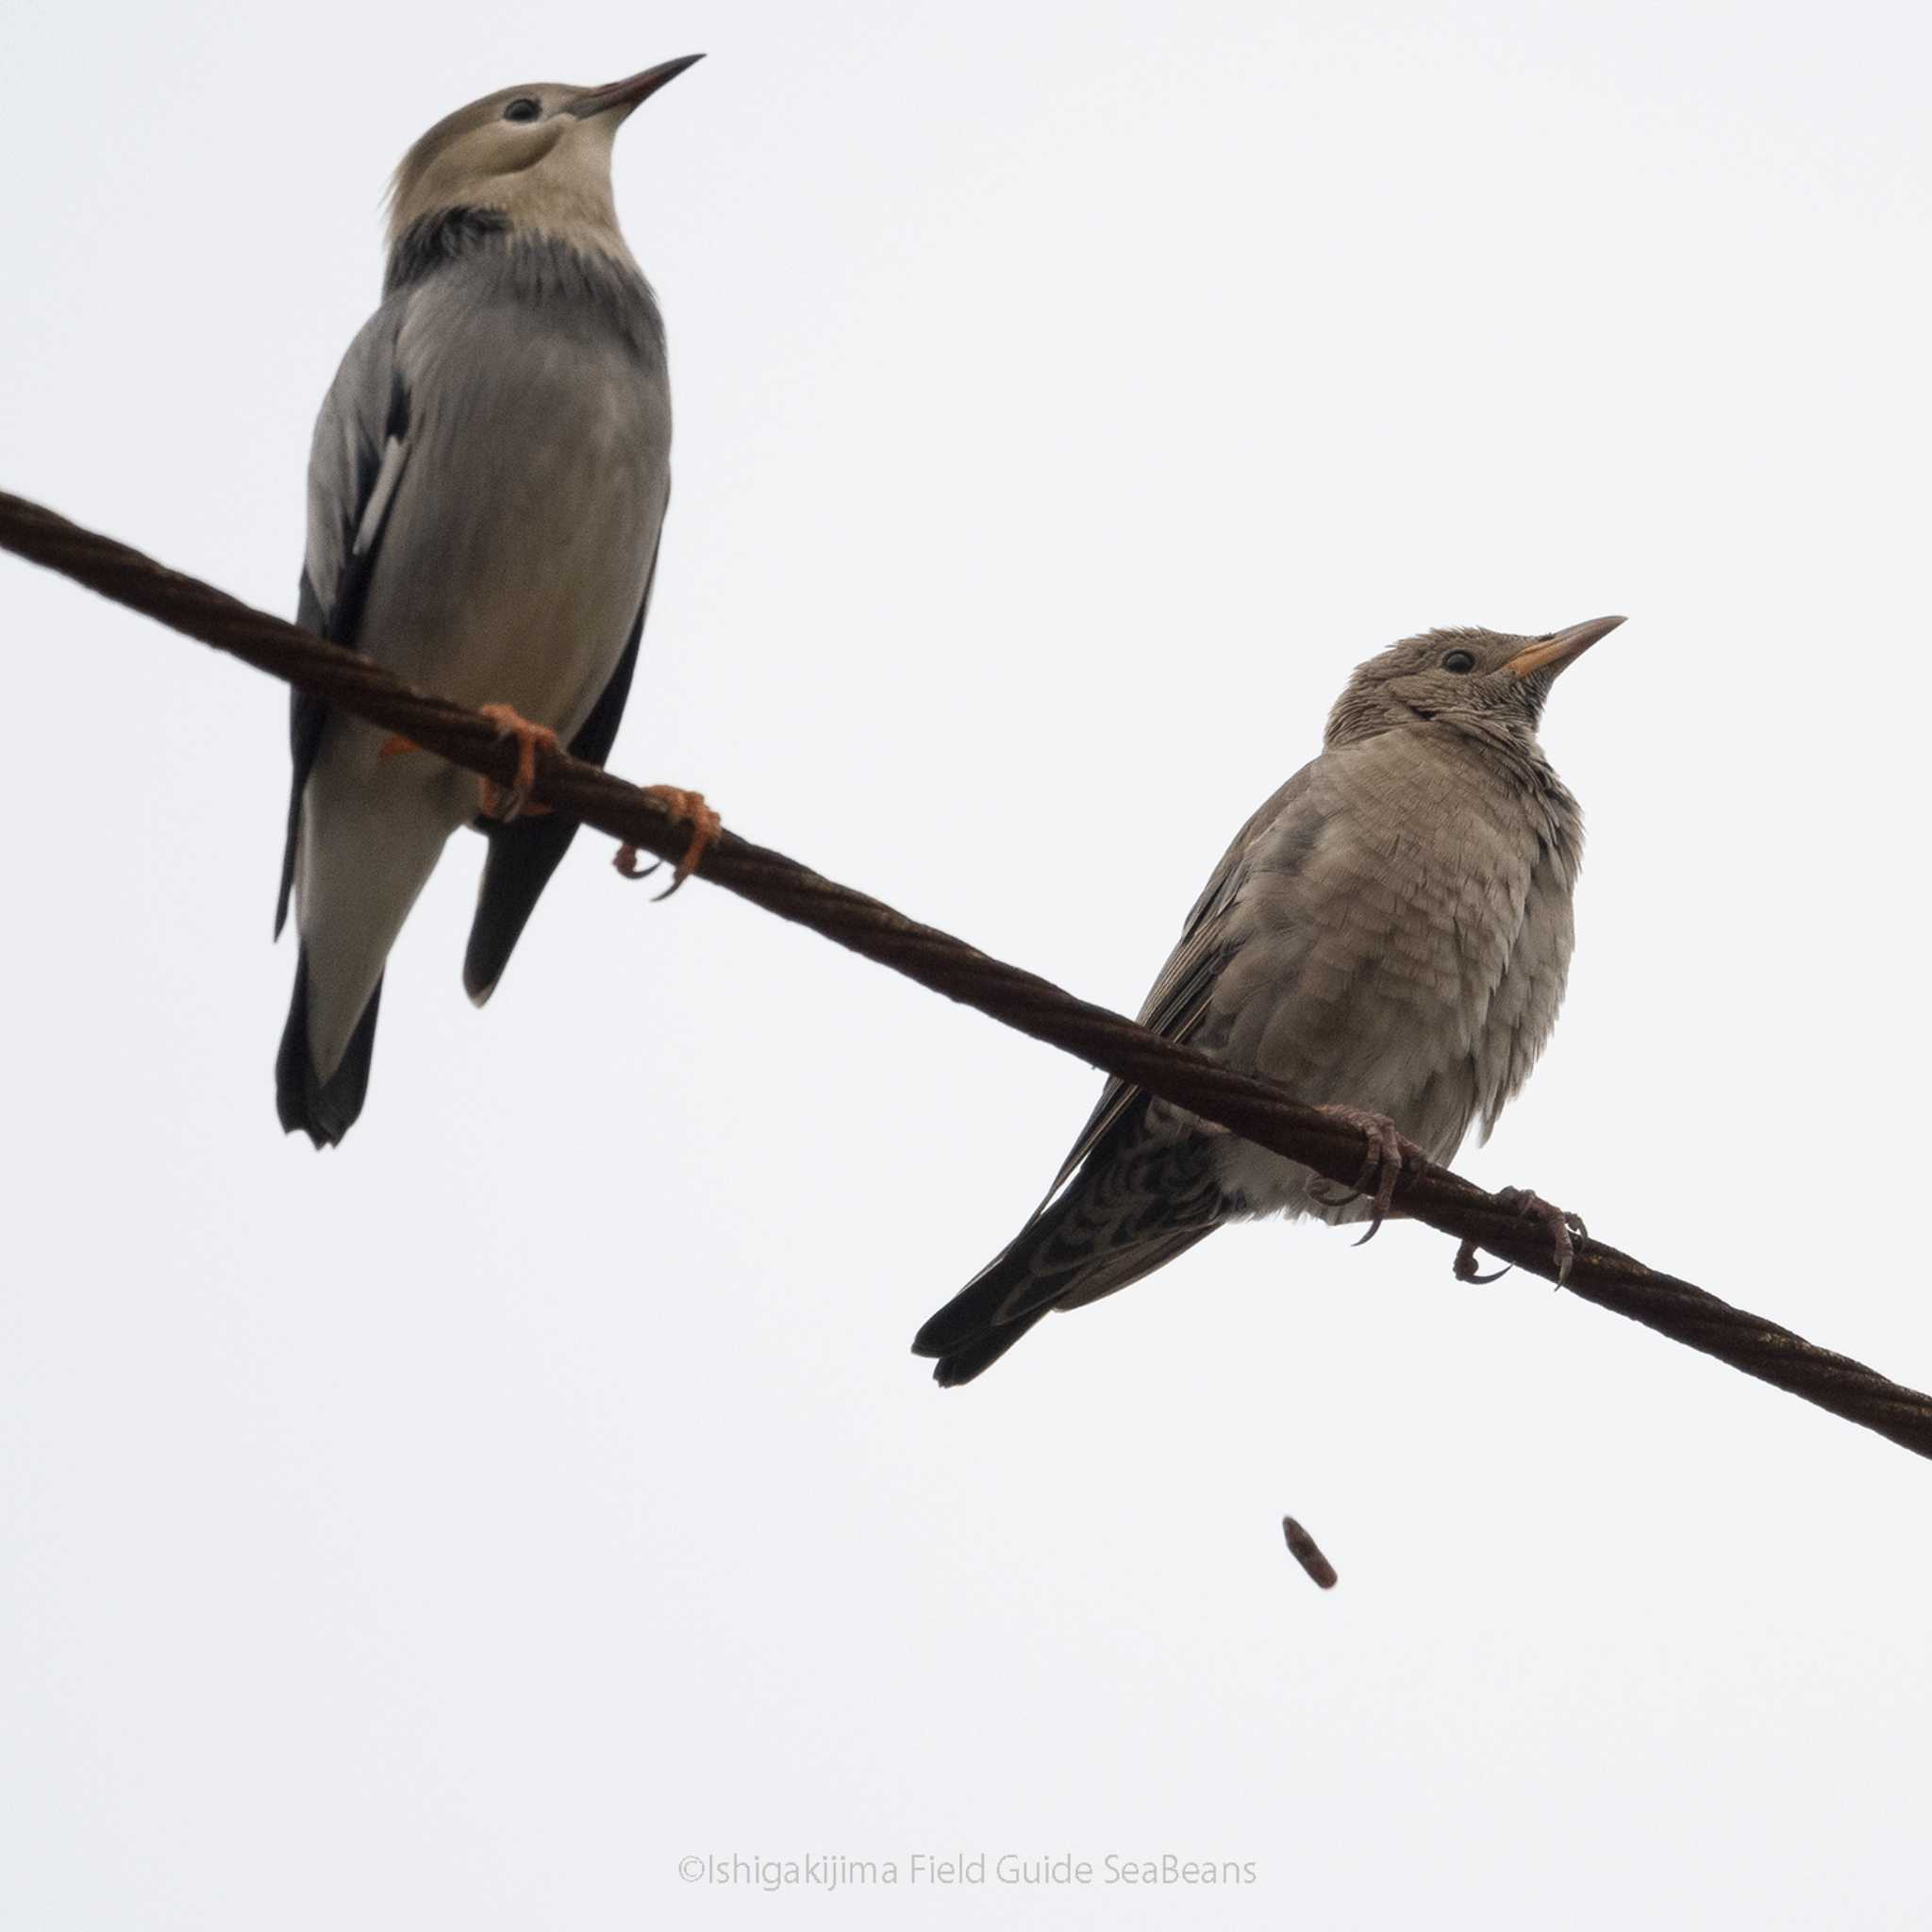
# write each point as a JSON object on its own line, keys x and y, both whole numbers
{"x": 574, "y": 287}
{"x": 447, "y": 236}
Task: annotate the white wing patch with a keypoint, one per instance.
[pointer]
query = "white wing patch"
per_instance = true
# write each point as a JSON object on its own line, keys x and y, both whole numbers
{"x": 396, "y": 453}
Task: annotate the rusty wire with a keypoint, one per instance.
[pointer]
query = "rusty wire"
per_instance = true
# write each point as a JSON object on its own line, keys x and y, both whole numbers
{"x": 1257, "y": 1109}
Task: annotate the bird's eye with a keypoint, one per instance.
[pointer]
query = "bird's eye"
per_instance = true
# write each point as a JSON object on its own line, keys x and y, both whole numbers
{"x": 525, "y": 108}
{"x": 1459, "y": 660}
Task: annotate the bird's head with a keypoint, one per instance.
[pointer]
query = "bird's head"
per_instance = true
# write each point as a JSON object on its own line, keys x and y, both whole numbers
{"x": 538, "y": 155}
{"x": 1480, "y": 681}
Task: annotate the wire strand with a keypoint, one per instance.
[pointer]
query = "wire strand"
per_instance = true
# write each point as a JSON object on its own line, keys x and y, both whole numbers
{"x": 1255, "y": 1109}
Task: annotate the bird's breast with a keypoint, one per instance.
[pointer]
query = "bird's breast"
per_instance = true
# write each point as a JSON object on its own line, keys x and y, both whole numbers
{"x": 523, "y": 532}
{"x": 1395, "y": 959}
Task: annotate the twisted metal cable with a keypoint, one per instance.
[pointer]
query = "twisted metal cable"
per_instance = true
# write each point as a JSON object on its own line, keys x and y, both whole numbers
{"x": 1255, "y": 1109}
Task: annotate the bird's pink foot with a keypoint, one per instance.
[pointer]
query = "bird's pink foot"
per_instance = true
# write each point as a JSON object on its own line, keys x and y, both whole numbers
{"x": 1390, "y": 1152}
{"x": 689, "y": 808}
{"x": 510, "y": 722}
{"x": 1565, "y": 1230}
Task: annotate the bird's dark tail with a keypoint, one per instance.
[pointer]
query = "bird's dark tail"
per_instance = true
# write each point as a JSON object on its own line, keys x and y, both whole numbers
{"x": 982, "y": 1322}
{"x": 322, "y": 1110}
{"x": 969, "y": 1358}
{"x": 522, "y": 854}
{"x": 1116, "y": 1222}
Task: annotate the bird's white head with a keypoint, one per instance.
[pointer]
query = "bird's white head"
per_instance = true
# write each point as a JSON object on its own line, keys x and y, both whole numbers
{"x": 537, "y": 155}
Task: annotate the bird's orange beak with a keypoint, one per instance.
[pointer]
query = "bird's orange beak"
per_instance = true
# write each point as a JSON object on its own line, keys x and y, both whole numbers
{"x": 1555, "y": 651}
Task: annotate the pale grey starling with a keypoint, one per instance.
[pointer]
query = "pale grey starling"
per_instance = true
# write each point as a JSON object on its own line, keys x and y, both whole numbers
{"x": 1388, "y": 938}
{"x": 486, "y": 489}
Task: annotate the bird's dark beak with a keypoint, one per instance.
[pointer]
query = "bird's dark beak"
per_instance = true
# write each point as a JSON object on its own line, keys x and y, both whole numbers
{"x": 1556, "y": 650}
{"x": 622, "y": 96}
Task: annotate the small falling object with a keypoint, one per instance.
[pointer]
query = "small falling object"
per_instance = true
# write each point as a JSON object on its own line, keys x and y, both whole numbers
{"x": 1306, "y": 1551}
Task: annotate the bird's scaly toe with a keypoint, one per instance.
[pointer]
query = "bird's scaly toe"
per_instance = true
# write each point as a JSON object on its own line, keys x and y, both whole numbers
{"x": 513, "y": 803}
{"x": 688, "y": 807}
{"x": 1566, "y": 1230}
{"x": 1390, "y": 1152}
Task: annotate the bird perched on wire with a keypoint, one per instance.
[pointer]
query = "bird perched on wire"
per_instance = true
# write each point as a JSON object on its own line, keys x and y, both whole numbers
{"x": 1388, "y": 938}
{"x": 486, "y": 490}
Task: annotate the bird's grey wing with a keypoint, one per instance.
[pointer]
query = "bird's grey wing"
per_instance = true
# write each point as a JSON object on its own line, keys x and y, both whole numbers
{"x": 1142, "y": 1185}
{"x": 524, "y": 852}
{"x": 1179, "y": 999}
{"x": 1146, "y": 1196}
{"x": 360, "y": 447}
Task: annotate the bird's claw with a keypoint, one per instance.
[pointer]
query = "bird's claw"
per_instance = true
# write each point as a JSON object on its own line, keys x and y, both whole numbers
{"x": 1390, "y": 1152}
{"x": 689, "y": 807}
{"x": 627, "y": 862}
{"x": 514, "y": 802}
{"x": 1466, "y": 1268}
{"x": 1566, "y": 1231}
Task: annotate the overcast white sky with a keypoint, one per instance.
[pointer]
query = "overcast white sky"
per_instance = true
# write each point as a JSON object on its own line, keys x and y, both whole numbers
{"x": 463, "y": 1528}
